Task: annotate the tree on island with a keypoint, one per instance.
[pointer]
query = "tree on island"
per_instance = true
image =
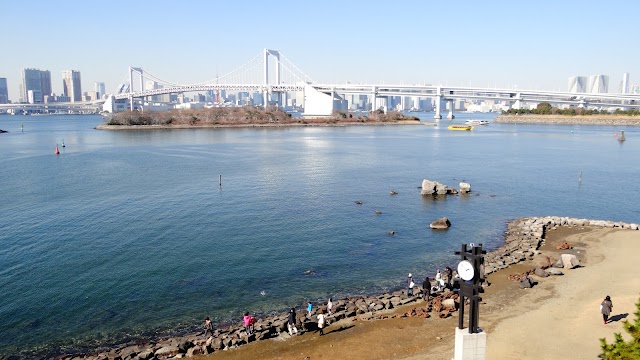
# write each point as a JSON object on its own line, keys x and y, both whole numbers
{"x": 620, "y": 349}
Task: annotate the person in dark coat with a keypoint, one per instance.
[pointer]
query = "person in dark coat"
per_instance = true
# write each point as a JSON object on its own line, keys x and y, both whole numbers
{"x": 605, "y": 308}
{"x": 426, "y": 289}
{"x": 291, "y": 322}
{"x": 449, "y": 274}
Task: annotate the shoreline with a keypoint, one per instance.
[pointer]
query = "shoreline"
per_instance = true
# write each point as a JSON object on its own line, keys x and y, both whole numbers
{"x": 522, "y": 239}
{"x": 610, "y": 120}
{"x": 268, "y": 125}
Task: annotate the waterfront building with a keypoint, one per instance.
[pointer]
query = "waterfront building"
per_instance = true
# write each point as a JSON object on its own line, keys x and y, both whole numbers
{"x": 4, "y": 91}
{"x": 598, "y": 84}
{"x": 625, "y": 83}
{"x": 99, "y": 88}
{"x": 36, "y": 81}
{"x": 198, "y": 98}
{"x": 257, "y": 98}
{"x": 578, "y": 84}
{"x": 34, "y": 97}
{"x": 71, "y": 85}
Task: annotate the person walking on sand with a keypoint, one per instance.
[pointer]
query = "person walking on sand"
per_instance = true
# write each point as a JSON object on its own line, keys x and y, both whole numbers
{"x": 208, "y": 327}
{"x": 426, "y": 289}
{"x": 410, "y": 285}
{"x": 291, "y": 322}
{"x": 321, "y": 321}
{"x": 309, "y": 309}
{"x": 605, "y": 308}
{"x": 329, "y": 306}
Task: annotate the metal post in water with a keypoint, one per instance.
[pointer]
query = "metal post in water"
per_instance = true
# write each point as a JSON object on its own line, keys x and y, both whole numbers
{"x": 220, "y": 180}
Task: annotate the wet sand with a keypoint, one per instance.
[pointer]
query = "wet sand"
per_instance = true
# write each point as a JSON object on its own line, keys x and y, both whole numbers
{"x": 556, "y": 319}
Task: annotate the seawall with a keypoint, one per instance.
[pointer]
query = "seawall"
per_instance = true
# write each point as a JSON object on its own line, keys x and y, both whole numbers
{"x": 611, "y": 120}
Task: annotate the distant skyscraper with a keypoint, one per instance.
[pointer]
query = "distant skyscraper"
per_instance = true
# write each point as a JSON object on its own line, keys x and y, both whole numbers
{"x": 71, "y": 85}
{"x": 98, "y": 87}
{"x": 36, "y": 81}
{"x": 577, "y": 84}
{"x": 598, "y": 84}
{"x": 4, "y": 91}
{"x": 625, "y": 83}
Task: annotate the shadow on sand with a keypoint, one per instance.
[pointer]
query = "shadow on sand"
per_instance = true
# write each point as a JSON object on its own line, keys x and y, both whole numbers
{"x": 618, "y": 317}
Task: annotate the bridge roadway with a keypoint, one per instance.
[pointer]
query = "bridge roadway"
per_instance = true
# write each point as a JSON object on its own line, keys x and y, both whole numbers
{"x": 431, "y": 91}
{"x": 443, "y": 93}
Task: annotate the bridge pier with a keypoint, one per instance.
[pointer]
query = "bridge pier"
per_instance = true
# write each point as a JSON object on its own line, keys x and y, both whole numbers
{"x": 373, "y": 98}
{"x": 437, "y": 116}
{"x": 450, "y": 104}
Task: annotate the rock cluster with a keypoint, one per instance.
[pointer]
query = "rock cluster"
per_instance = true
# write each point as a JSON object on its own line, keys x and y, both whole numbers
{"x": 435, "y": 188}
{"x": 525, "y": 235}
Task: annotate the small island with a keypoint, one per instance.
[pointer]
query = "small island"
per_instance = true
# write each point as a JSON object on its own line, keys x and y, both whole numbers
{"x": 246, "y": 116}
{"x": 544, "y": 113}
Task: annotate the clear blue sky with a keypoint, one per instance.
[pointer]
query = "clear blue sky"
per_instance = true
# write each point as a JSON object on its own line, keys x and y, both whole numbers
{"x": 531, "y": 44}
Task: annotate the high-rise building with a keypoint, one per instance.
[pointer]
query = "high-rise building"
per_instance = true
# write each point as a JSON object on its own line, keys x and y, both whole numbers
{"x": 36, "y": 81}
{"x": 98, "y": 87}
{"x": 625, "y": 83}
{"x": 598, "y": 84}
{"x": 71, "y": 86}
{"x": 578, "y": 84}
{"x": 4, "y": 91}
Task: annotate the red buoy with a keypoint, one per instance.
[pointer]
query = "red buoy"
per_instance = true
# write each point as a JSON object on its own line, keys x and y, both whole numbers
{"x": 57, "y": 151}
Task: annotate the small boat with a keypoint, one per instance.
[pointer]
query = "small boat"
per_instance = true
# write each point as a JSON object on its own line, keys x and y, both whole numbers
{"x": 460, "y": 127}
{"x": 476, "y": 122}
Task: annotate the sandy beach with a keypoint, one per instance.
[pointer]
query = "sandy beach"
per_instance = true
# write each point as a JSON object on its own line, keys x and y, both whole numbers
{"x": 558, "y": 318}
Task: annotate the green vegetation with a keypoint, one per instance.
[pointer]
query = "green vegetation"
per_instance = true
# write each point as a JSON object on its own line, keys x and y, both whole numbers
{"x": 620, "y": 349}
{"x": 544, "y": 108}
{"x": 246, "y": 115}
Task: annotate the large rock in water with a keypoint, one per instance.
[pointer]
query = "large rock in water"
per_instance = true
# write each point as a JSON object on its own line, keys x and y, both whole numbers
{"x": 569, "y": 261}
{"x": 442, "y": 223}
{"x": 428, "y": 187}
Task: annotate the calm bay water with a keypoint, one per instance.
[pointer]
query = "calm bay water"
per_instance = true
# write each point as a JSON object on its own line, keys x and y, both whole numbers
{"x": 126, "y": 233}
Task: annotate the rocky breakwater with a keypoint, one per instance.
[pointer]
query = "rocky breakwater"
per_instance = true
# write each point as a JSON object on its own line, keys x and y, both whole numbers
{"x": 362, "y": 308}
{"x": 602, "y": 119}
{"x": 524, "y": 237}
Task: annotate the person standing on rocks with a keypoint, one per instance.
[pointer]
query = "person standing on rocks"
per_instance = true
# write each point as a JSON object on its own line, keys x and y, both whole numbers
{"x": 605, "y": 308}
{"x": 309, "y": 309}
{"x": 426, "y": 289}
{"x": 322, "y": 318}
{"x": 208, "y": 327}
{"x": 291, "y": 322}
{"x": 248, "y": 323}
{"x": 329, "y": 306}
{"x": 410, "y": 285}
{"x": 448, "y": 272}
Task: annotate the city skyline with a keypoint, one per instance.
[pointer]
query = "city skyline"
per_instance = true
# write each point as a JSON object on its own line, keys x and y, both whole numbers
{"x": 492, "y": 44}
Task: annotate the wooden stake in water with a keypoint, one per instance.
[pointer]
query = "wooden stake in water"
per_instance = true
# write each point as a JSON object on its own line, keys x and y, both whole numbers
{"x": 220, "y": 180}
